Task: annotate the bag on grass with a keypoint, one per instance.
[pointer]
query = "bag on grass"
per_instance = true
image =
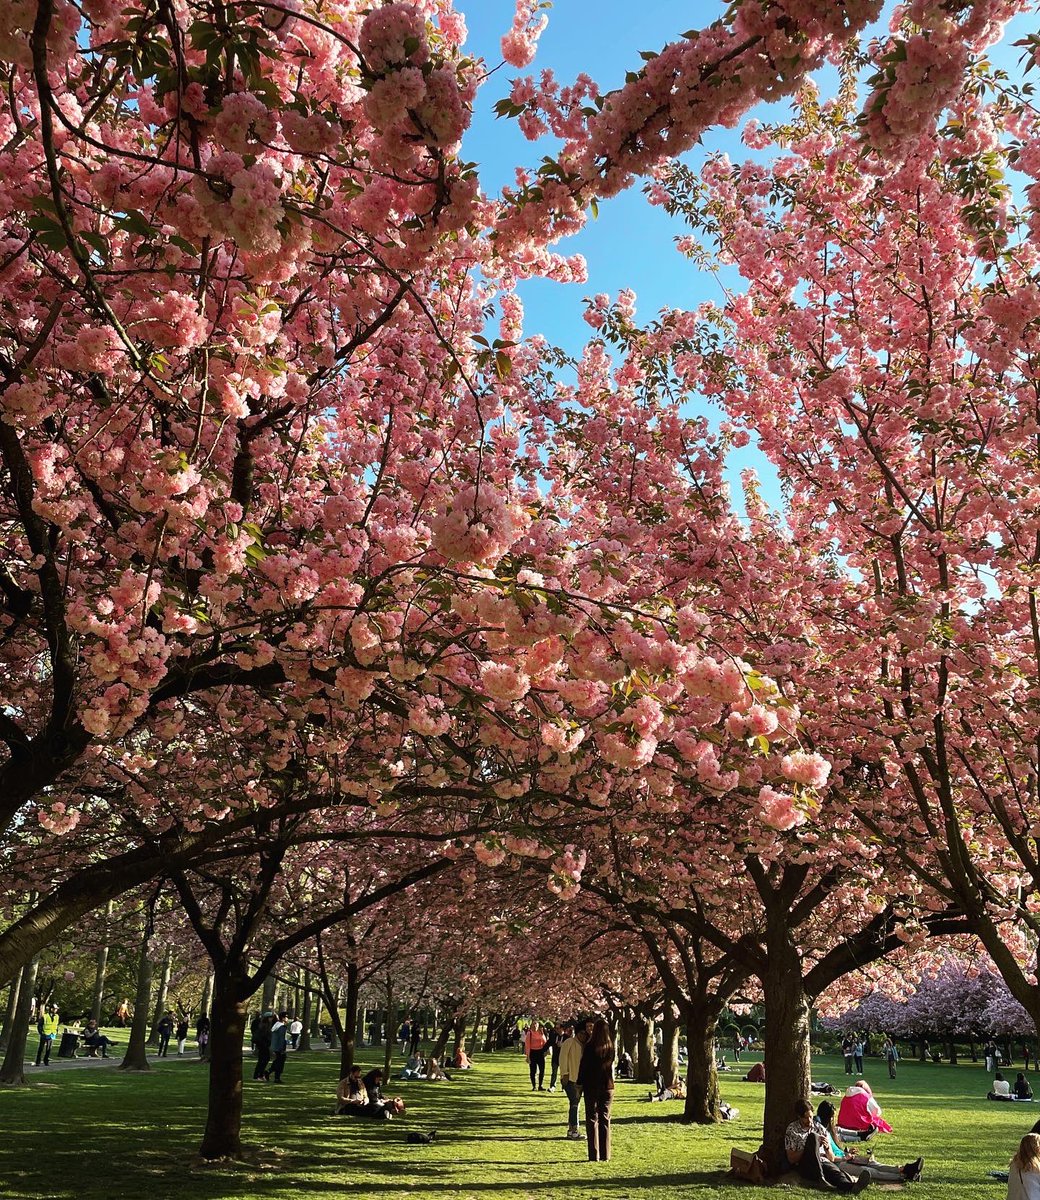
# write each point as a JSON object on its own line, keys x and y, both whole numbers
{"x": 747, "y": 1166}
{"x": 415, "y": 1138}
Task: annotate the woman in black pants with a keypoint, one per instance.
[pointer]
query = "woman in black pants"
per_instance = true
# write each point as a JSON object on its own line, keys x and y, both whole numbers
{"x": 596, "y": 1080}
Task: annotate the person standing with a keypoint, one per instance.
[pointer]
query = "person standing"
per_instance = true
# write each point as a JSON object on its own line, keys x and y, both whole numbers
{"x": 165, "y": 1030}
{"x": 891, "y": 1054}
{"x": 404, "y": 1035}
{"x": 262, "y": 1043}
{"x": 737, "y": 1039}
{"x": 596, "y": 1080}
{"x": 990, "y": 1051}
{"x": 553, "y": 1041}
{"x": 279, "y": 1046}
{"x": 47, "y": 1027}
{"x": 182, "y": 1033}
{"x": 857, "y": 1054}
{"x": 534, "y": 1047}
{"x": 413, "y": 1045}
{"x": 575, "y": 1037}
{"x": 846, "y": 1052}
{"x": 202, "y": 1034}
{"x": 295, "y": 1029}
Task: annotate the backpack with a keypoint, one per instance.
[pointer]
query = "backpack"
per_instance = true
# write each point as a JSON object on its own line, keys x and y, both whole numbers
{"x": 415, "y": 1138}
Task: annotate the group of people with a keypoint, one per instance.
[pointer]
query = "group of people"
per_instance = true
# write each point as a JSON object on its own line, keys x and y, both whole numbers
{"x": 1002, "y": 1089}
{"x": 272, "y": 1036}
{"x": 362, "y": 1095}
{"x": 582, "y": 1057}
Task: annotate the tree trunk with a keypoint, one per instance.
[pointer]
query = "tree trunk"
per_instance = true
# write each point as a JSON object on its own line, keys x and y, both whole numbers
{"x": 493, "y": 1022}
{"x": 359, "y": 1025}
{"x": 160, "y": 995}
{"x": 13, "y": 1069}
{"x": 953, "y": 1052}
{"x": 476, "y": 1030}
{"x": 100, "y": 972}
{"x": 207, "y": 995}
{"x": 223, "y": 1135}
{"x": 267, "y": 996}
{"x": 348, "y": 1038}
{"x": 442, "y": 1040}
{"x": 316, "y": 1016}
{"x": 136, "y": 1057}
{"x": 668, "y": 1064}
{"x": 787, "y": 1062}
{"x": 702, "y": 1076}
{"x": 459, "y": 1032}
{"x": 973, "y": 1051}
{"x": 391, "y": 1032}
{"x": 645, "y": 1049}
{"x": 305, "y": 1015}
{"x": 12, "y": 1008}
{"x": 627, "y": 1034}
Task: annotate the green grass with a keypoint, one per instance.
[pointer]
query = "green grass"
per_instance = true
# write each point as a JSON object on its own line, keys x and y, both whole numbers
{"x": 88, "y": 1134}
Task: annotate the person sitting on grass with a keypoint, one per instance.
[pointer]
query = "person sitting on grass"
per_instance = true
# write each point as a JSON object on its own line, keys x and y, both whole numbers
{"x": 860, "y": 1112}
{"x": 462, "y": 1061}
{"x": 1021, "y": 1088}
{"x": 1024, "y": 1171}
{"x": 414, "y": 1068}
{"x": 350, "y": 1095}
{"x": 625, "y": 1070}
{"x": 809, "y": 1153}
{"x": 857, "y": 1165}
{"x": 757, "y": 1073}
{"x": 1001, "y": 1089}
{"x": 434, "y": 1073}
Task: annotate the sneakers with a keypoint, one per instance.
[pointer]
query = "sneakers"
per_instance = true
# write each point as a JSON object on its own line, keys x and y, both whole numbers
{"x": 552, "y": 1088}
{"x": 573, "y": 1135}
{"x": 912, "y": 1170}
{"x": 860, "y": 1185}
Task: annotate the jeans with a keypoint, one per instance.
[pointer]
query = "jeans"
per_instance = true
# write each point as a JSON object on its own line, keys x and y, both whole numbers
{"x": 818, "y": 1169}
{"x": 536, "y": 1059}
{"x": 164, "y": 1042}
{"x": 573, "y": 1094}
{"x": 859, "y": 1064}
{"x": 263, "y": 1057}
{"x": 44, "y": 1050}
{"x": 278, "y": 1065}
{"x": 597, "y": 1124}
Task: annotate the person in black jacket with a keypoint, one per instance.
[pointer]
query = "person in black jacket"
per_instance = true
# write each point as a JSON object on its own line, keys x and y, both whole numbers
{"x": 596, "y": 1080}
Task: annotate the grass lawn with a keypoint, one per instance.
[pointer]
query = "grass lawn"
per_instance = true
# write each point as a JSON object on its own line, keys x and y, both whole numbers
{"x": 92, "y": 1134}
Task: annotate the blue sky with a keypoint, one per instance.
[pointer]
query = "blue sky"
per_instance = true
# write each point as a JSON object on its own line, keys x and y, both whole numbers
{"x": 631, "y": 244}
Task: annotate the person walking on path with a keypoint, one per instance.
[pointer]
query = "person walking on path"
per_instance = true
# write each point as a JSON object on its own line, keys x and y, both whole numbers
{"x": 404, "y": 1035}
{"x": 47, "y": 1027}
{"x": 165, "y": 1031}
{"x": 596, "y": 1080}
{"x": 535, "y": 1044}
{"x": 295, "y": 1029}
{"x": 575, "y": 1036}
{"x": 279, "y": 1046}
{"x": 891, "y": 1054}
{"x": 182, "y": 1033}
{"x": 857, "y": 1054}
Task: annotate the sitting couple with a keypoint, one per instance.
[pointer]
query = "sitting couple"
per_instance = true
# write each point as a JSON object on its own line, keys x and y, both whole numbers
{"x": 1002, "y": 1090}
{"x": 363, "y": 1097}
{"x": 818, "y": 1154}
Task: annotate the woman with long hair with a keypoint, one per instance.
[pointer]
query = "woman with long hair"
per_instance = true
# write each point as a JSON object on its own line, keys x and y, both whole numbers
{"x": 1024, "y": 1172}
{"x": 596, "y": 1080}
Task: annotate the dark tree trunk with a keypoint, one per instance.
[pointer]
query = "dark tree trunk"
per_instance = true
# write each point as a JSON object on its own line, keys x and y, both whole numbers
{"x": 952, "y": 1052}
{"x": 160, "y": 996}
{"x": 442, "y": 1040}
{"x": 390, "y": 1034}
{"x": 459, "y": 1035}
{"x": 101, "y": 970}
{"x": 305, "y": 1015}
{"x": 11, "y": 1010}
{"x": 668, "y": 1064}
{"x": 136, "y": 1057}
{"x": 921, "y": 1053}
{"x": 267, "y": 996}
{"x": 973, "y": 1051}
{"x": 348, "y": 1037}
{"x": 13, "y": 1069}
{"x": 644, "y": 1049}
{"x": 493, "y": 1022}
{"x": 223, "y": 1135}
{"x": 702, "y": 1076}
{"x": 627, "y": 1034}
{"x": 787, "y": 1063}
